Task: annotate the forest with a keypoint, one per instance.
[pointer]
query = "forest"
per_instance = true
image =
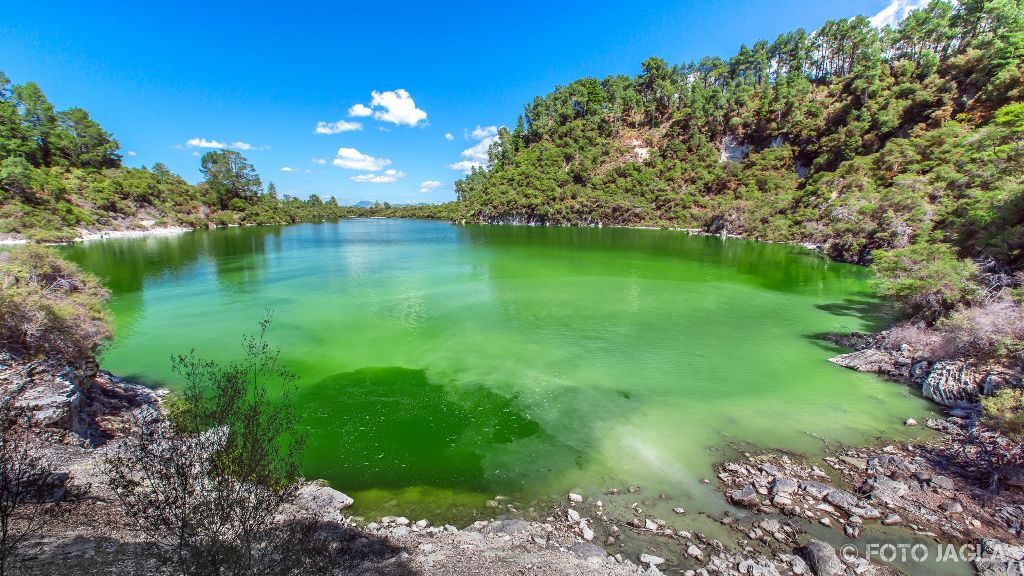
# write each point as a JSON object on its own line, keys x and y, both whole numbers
{"x": 61, "y": 172}
{"x": 850, "y": 137}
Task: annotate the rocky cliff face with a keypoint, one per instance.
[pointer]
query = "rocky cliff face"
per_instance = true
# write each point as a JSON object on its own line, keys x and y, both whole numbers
{"x": 81, "y": 400}
{"x": 954, "y": 382}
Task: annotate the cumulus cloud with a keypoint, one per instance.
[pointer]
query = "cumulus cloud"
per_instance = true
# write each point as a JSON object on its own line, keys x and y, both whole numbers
{"x": 355, "y": 160}
{"x": 337, "y": 127}
{"x": 359, "y": 111}
{"x": 396, "y": 107}
{"x": 237, "y": 145}
{"x": 449, "y": 136}
{"x": 130, "y": 153}
{"x": 476, "y": 155}
{"x": 479, "y": 133}
{"x": 204, "y": 143}
{"x": 387, "y": 177}
{"x": 478, "y": 151}
{"x": 320, "y": 161}
{"x": 287, "y": 169}
{"x": 465, "y": 165}
{"x": 895, "y": 12}
{"x": 428, "y": 185}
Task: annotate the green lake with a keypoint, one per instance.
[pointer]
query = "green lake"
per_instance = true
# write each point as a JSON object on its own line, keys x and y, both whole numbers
{"x": 442, "y": 365}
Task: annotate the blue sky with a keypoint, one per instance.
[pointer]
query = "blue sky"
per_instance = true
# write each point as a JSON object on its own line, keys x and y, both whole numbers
{"x": 430, "y": 78}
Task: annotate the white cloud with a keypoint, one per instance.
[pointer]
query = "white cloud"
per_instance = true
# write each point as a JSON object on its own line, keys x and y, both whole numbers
{"x": 320, "y": 161}
{"x": 476, "y": 155}
{"x": 359, "y": 111}
{"x": 336, "y": 127}
{"x": 387, "y": 177}
{"x": 398, "y": 107}
{"x": 131, "y": 153}
{"x": 895, "y": 12}
{"x": 237, "y": 145}
{"x": 478, "y": 151}
{"x": 465, "y": 165}
{"x": 428, "y": 185}
{"x": 355, "y": 160}
{"x": 479, "y": 133}
{"x": 449, "y": 136}
{"x": 287, "y": 169}
{"x": 204, "y": 143}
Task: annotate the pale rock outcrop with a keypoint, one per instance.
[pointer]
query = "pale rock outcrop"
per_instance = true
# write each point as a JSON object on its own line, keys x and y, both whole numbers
{"x": 322, "y": 500}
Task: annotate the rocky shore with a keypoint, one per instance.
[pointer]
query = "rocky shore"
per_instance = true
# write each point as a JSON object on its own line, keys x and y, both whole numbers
{"x": 785, "y": 510}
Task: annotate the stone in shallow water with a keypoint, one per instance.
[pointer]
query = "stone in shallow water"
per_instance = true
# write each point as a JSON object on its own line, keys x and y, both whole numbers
{"x": 651, "y": 559}
{"x": 745, "y": 496}
{"x": 822, "y": 558}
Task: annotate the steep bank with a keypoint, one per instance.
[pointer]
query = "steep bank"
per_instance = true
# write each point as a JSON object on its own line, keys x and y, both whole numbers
{"x": 850, "y": 137}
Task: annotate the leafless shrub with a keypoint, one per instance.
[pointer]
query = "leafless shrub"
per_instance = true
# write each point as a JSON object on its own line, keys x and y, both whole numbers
{"x": 32, "y": 495}
{"x": 212, "y": 485}
{"x": 990, "y": 330}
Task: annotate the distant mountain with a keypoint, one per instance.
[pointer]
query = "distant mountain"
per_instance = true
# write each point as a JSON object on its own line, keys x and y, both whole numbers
{"x": 364, "y": 204}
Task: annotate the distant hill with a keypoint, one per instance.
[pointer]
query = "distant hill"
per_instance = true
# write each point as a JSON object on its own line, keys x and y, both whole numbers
{"x": 851, "y": 137}
{"x": 364, "y": 204}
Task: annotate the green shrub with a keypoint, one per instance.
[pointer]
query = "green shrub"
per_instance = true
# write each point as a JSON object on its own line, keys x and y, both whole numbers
{"x": 48, "y": 306}
{"x": 927, "y": 278}
{"x": 1004, "y": 411}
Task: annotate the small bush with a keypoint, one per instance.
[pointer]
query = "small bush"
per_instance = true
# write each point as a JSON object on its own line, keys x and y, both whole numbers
{"x": 1004, "y": 411}
{"x": 48, "y": 306}
{"x": 928, "y": 278}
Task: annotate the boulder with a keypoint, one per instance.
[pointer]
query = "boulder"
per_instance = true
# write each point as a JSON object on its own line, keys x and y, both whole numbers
{"x": 870, "y": 360}
{"x": 822, "y": 558}
{"x": 586, "y": 550}
{"x": 506, "y": 527}
{"x": 782, "y": 486}
{"x": 322, "y": 500}
{"x": 651, "y": 559}
{"x": 745, "y": 496}
{"x": 886, "y": 490}
{"x": 957, "y": 383}
{"x": 997, "y": 558}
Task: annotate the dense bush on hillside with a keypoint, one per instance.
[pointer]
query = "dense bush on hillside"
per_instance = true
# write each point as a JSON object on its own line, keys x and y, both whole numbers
{"x": 852, "y": 137}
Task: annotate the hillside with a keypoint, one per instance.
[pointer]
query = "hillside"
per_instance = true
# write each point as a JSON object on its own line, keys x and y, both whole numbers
{"x": 850, "y": 137}
{"x": 61, "y": 176}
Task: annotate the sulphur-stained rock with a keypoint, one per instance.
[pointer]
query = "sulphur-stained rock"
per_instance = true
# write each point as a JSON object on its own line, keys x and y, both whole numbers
{"x": 822, "y": 558}
{"x": 957, "y": 383}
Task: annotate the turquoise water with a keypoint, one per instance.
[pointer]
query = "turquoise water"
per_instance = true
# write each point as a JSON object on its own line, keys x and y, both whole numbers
{"x": 442, "y": 365}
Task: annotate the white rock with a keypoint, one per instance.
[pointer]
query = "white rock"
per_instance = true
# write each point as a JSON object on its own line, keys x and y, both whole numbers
{"x": 679, "y": 511}
{"x": 651, "y": 559}
{"x": 693, "y": 552}
{"x": 573, "y": 497}
{"x": 910, "y": 422}
{"x": 574, "y": 516}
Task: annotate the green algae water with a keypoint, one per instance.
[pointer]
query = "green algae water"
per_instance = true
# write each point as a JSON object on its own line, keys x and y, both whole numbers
{"x": 443, "y": 365}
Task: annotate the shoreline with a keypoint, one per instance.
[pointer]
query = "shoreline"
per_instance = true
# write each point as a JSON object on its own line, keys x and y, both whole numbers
{"x": 89, "y": 236}
{"x": 779, "y": 500}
